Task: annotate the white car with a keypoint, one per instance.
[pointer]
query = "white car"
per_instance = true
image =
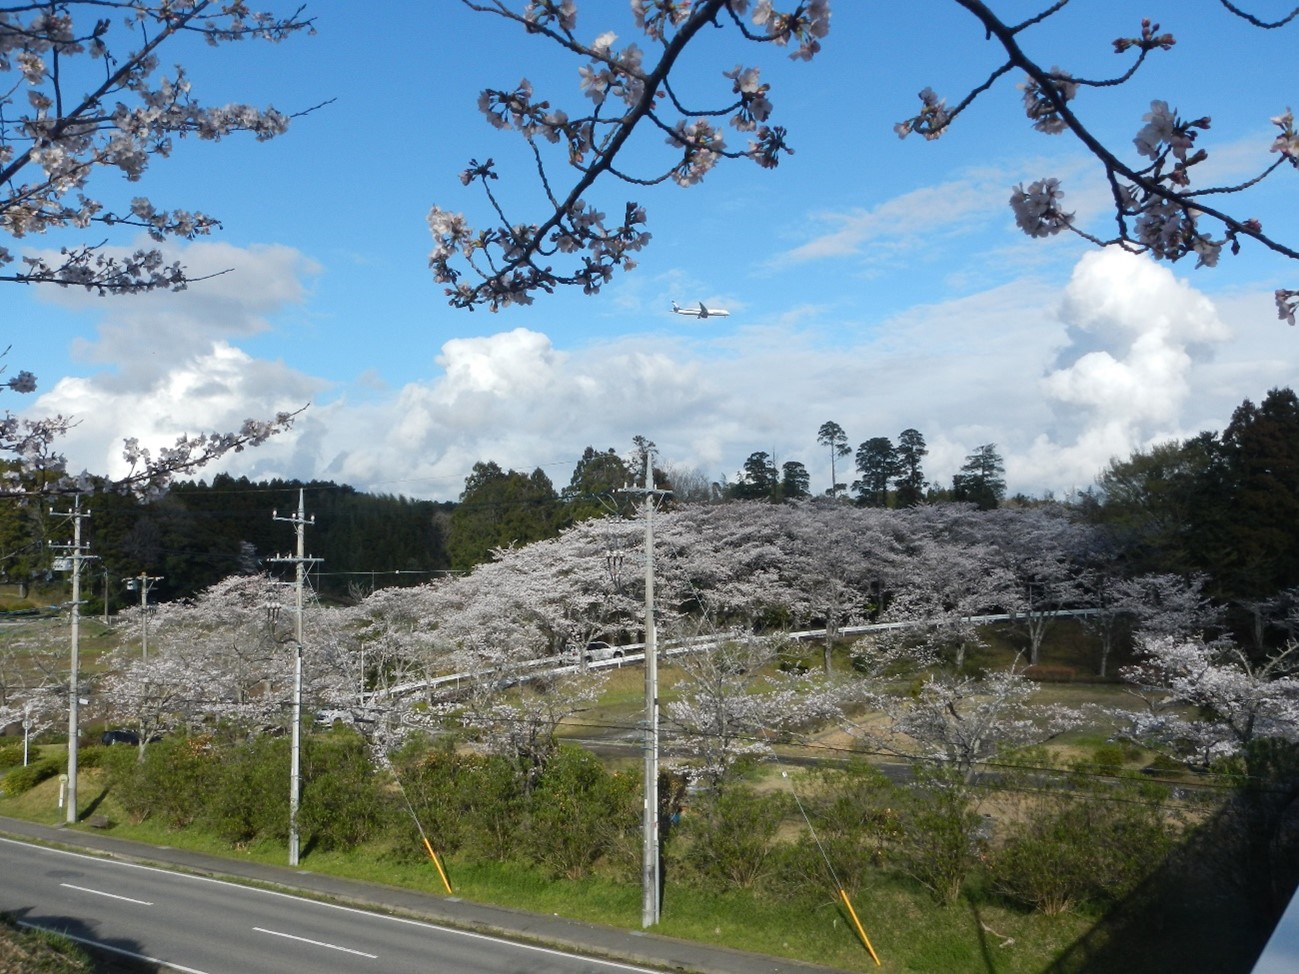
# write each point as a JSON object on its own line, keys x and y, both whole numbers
{"x": 595, "y": 650}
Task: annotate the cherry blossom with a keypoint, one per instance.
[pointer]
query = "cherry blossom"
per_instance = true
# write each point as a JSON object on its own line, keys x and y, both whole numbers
{"x": 512, "y": 260}
{"x": 89, "y": 94}
{"x": 1238, "y": 698}
{"x": 1156, "y": 208}
{"x": 1037, "y": 209}
{"x": 960, "y": 723}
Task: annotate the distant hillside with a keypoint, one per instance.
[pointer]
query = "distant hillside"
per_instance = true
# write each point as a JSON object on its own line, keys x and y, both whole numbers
{"x": 200, "y": 533}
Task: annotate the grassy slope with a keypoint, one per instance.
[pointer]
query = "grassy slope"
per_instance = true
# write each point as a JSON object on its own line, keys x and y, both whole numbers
{"x": 30, "y": 952}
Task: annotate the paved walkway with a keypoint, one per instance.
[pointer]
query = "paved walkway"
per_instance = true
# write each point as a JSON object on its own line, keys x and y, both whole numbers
{"x": 651, "y": 950}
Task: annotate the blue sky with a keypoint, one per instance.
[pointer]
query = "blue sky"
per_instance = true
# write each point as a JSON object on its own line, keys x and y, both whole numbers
{"x": 877, "y": 282}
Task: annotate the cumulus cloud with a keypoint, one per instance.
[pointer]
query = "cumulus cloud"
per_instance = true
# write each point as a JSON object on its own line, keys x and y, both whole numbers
{"x": 141, "y": 337}
{"x": 1059, "y": 379}
{"x": 170, "y": 365}
{"x": 1136, "y": 333}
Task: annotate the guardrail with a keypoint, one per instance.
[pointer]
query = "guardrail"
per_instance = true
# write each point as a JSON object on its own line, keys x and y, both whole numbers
{"x": 635, "y": 653}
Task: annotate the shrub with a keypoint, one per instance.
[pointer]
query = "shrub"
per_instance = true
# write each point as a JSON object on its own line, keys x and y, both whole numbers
{"x": 172, "y": 779}
{"x": 461, "y": 800}
{"x": 938, "y": 839}
{"x": 342, "y": 804}
{"x": 730, "y": 837}
{"x": 579, "y": 811}
{"x": 854, "y": 812}
{"x": 11, "y": 754}
{"x": 249, "y": 797}
{"x": 21, "y": 779}
{"x": 1086, "y": 848}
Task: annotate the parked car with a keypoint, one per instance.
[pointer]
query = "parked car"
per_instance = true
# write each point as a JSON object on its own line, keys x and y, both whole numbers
{"x": 111, "y": 737}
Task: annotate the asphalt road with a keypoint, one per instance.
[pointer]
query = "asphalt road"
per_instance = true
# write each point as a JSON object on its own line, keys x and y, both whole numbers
{"x": 195, "y": 912}
{"x": 205, "y": 925}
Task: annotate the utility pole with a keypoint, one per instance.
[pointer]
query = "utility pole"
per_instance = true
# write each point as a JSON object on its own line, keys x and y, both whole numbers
{"x": 300, "y": 522}
{"x": 74, "y": 677}
{"x": 144, "y": 582}
{"x": 651, "y": 871}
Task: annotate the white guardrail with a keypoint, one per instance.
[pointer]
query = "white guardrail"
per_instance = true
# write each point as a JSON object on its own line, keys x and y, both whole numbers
{"x": 635, "y": 653}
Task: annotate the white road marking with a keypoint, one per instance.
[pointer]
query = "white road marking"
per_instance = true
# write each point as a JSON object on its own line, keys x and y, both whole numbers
{"x": 380, "y": 917}
{"x": 100, "y": 945}
{"x": 100, "y": 892}
{"x": 317, "y": 943}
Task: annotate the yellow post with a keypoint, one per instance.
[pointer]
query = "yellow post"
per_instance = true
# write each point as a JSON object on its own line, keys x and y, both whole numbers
{"x": 857, "y": 923}
{"x": 434, "y": 856}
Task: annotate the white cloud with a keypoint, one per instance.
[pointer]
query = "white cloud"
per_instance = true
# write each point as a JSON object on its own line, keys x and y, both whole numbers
{"x": 1059, "y": 379}
{"x": 213, "y": 392}
{"x": 142, "y": 336}
{"x": 1137, "y": 333}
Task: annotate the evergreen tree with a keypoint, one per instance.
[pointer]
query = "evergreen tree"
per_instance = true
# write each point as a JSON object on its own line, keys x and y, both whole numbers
{"x": 591, "y": 492}
{"x": 910, "y": 478}
{"x": 795, "y": 483}
{"x": 759, "y": 480}
{"x": 982, "y": 478}
{"x": 499, "y": 509}
{"x": 831, "y": 435}
{"x": 878, "y": 465}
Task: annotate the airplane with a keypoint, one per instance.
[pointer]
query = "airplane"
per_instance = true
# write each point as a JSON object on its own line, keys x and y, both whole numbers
{"x": 701, "y": 311}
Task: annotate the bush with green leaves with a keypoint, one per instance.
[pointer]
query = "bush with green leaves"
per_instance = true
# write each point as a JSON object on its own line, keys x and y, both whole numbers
{"x": 853, "y": 810}
{"x": 11, "y": 754}
{"x": 250, "y": 796}
{"x": 462, "y": 800}
{"x": 342, "y": 799}
{"x": 1089, "y": 845}
{"x": 579, "y": 813}
{"x": 172, "y": 780}
{"x": 730, "y": 837}
{"x": 939, "y": 839}
{"x": 21, "y": 779}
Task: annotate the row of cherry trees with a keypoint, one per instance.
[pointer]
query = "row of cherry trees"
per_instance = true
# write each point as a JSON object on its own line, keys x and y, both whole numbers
{"x": 739, "y": 577}
{"x": 485, "y": 658}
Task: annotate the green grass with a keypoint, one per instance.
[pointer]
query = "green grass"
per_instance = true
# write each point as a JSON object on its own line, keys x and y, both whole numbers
{"x": 907, "y": 929}
{"x": 25, "y": 951}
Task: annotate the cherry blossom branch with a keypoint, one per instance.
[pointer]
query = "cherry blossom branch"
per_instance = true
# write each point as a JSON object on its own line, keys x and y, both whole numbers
{"x": 506, "y": 263}
{"x": 1156, "y": 210}
{"x": 122, "y": 120}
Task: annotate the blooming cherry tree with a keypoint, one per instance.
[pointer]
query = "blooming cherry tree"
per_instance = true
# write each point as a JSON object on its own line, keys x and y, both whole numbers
{"x": 959, "y": 722}
{"x": 224, "y": 658}
{"x": 731, "y": 703}
{"x": 1156, "y": 208}
{"x": 84, "y": 93}
{"x": 1237, "y": 699}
